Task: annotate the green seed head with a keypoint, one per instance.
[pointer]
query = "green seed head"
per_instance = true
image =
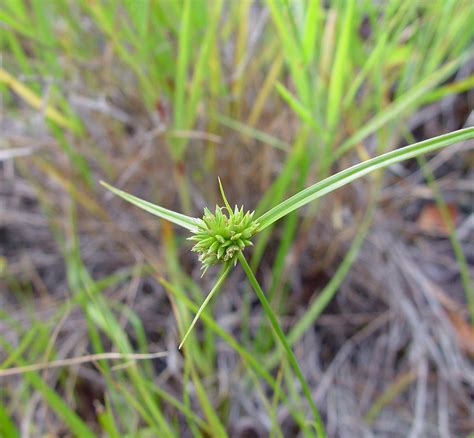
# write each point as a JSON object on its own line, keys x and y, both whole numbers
{"x": 221, "y": 237}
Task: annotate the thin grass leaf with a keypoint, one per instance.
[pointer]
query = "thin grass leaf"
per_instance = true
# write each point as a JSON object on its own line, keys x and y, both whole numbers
{"x": 371, "y": 61}
{"x": 251, "y": 132}
{"x": 213, "y": 291}
{"x": 453, "y": 238}
{"x": 242, "y": 24}
{"x": 202, "y": 64}
{"x": 22, "y": 28}
{"x": 298, "y": 107}
{"x": 338, "y": 71}
{"x": 400, "y": 105}
{"x": 265, "y": 90}
{"x": 139, "y": 406}
{"x": 177, "y": 218}
{"x": 34, "y": 100}
{"x": 293, "y": 51}
{"x": 311, "y": 25}
{"x": 181, "y": 75}
{"x": 248, "y": 358}
{"x": 75, "y": 424}
{"x": 108, "y": 420}
{"x": 275, "y": 426}
{"x": 100, "y": 316}
{"x": 452, "y": 88}
{"x": 7, "y": 426}
{"x": 359, "y": 170}
{"x": 139, "y": 13}
{"x": 398, "y": 385}
{"x": 317, "y": 306}
{"x": 104, "y": 17}
{"x": 185, "y": 410}
{"x": 43, "y": 14}
{"x": 218, "y": 430}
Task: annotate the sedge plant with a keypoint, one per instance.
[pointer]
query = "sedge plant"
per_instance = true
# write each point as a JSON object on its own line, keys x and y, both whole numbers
{"x": 221, "y": 237}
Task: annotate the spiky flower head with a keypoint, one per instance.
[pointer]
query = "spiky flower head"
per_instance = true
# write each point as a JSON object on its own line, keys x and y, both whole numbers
{"x": 220, "y": 237}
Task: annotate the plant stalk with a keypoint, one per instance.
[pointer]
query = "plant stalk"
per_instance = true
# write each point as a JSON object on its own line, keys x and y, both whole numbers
{"x": 281, "y": 336}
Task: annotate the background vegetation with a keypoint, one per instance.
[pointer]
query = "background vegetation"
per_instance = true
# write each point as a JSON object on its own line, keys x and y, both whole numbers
{"x": 160, "y": 97}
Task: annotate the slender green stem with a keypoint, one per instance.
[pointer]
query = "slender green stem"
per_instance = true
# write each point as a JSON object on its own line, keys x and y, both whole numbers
{"x": 281, "y": 336}
{"x": 453, "y": 238}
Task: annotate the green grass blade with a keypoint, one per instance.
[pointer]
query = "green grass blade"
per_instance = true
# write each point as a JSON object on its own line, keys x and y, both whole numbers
{"x": 206, "y": 302}
{"x": 139, "y": 13}
{"x": 202, "y": 64}
{"x": 177, "y": 218}
{"x": 359, "y": 170}
{"x": 76, "y": 425}
{"x": 452, "y": 88}
{"x": 246, "y": 356}
{"x": 22, "y": 28}
{"x": 251, "y": 132}
{"x": 316, "y": 307}
{"x": 250, "y": 360}
{"x": 453, "y": 238}
{"x": 56, "y": 402}
{"x": 311, "y": 25}
{"x": 7, "y": 426}
{"x": 297, "y": 107}
{"x": 181, "y": 74}
{"x": 181, "y": 407}
{"x": 108, "y": 420}
{"x": 293, "y": 51}
{"x": 140, "y": 407}
{"x": 372, "y": 61}
{"x": 281, "y": 336}
{"x": 400, "y": 105}
{"x": 338, "y": 71}
{"x": 217, "y": 428}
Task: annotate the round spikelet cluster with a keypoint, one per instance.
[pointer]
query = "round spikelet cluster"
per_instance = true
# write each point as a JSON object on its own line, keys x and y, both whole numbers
{"x": 220, "y": 237}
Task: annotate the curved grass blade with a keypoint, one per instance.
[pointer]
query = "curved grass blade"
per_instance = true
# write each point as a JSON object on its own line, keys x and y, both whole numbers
{"x": 400, "y": 105}
{"x": 352, "y": 173}
{"x": 206, "y": 301}
{"x": 177, "y": 218}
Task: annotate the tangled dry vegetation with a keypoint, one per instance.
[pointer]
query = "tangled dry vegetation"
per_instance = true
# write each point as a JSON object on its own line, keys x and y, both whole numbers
{"x": 389, "y": 354}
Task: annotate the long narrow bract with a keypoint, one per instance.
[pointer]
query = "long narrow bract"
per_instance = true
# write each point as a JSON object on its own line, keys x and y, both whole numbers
{"x": 359, "y": 170}
{"x": 177, "y": 218}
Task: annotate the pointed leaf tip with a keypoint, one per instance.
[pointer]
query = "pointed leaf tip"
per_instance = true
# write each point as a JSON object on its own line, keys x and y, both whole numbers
{"x": 206, "y": 302}
{"x": 170, "y": 215}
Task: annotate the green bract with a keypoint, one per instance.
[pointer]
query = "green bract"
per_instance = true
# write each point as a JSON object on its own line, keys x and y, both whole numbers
{"x": 221, "y": 237}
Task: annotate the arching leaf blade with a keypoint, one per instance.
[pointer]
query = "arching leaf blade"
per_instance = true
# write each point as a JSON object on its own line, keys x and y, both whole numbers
{"x": 359, "y": 170}
{"x": 177, "y": 218}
